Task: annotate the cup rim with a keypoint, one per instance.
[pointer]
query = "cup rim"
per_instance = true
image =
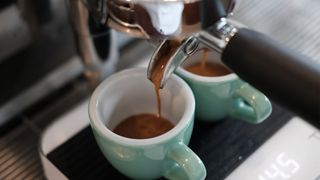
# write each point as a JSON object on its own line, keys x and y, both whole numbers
{"x": 206, "y": 79}
{"x": 97, "y": 123}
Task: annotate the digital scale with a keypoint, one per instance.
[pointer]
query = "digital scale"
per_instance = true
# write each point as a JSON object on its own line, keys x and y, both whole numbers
{"x": 291, "y": 153}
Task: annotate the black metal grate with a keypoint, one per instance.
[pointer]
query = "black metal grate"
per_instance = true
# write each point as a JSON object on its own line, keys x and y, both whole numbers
{"x": 222, "y": 147}
{"x": 18, "y": 156}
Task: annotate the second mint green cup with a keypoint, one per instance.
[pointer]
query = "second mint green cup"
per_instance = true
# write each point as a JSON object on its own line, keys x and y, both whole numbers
{"x": 128, "y": 93}
{"x": 221, "y": 96}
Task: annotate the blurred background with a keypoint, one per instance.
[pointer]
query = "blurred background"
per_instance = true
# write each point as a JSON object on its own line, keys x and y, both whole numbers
{"x": 47, "y": 67}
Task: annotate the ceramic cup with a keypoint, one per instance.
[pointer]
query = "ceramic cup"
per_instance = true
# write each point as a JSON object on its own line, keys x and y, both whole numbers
{"x": 221, "y": 96}
{"x": 128, "y": 93}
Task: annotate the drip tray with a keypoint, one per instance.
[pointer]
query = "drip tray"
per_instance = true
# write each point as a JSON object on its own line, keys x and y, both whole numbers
{"x": 68, "y": 149}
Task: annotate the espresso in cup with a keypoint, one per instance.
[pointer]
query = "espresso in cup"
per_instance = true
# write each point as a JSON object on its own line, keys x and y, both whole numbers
{"x": 205, "y": 68}
{"x": 146, "y": 125}
{"x": 128, "y": 94}
{"x": 208, "y": 69}
{"x": 219, "y": 92}
{"x": 143, "y": 126}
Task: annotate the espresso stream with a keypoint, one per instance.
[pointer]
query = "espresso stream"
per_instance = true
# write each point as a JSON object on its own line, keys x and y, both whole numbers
{"x": 142, "y": 126}
{"x": 159, "y": 67}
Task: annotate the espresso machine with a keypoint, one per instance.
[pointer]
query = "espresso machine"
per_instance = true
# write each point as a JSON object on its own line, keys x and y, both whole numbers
{"x": 285, "y": 76}
{"x": 59, "y": 50}
{"x": 256, "y": 58}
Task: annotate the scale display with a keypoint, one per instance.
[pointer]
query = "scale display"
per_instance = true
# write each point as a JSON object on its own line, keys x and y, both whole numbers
{"x": 293, "y": 153}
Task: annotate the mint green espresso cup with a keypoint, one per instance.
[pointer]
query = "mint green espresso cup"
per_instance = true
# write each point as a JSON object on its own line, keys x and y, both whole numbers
{"x": 221, "y": 96}
{"x": 128, "y": 93}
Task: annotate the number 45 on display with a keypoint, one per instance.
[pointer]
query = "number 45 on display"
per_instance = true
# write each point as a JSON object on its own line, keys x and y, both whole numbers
{"x": 282, "y": 168}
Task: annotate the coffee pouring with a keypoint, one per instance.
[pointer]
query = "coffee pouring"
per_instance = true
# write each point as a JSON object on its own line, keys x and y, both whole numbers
{"x": 284, "y": 75}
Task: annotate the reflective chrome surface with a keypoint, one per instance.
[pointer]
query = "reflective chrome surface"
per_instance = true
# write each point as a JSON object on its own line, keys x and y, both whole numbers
{"x": 215, "y": 37}
{"x": 152, "y": 19}
{"x": 218, "y": 35}
{"x": 96, "y": 43}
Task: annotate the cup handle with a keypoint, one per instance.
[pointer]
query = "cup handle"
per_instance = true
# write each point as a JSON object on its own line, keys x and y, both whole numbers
{"x": 183, "y": 163}
{"x": 250, "y": 105}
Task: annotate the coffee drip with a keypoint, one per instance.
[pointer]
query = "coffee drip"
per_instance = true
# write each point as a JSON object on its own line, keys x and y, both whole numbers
{"x": 204, "y": 59}
{"x": 159, "y": 68}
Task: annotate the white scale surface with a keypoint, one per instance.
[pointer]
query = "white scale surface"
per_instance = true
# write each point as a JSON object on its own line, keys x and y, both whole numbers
{"x": 293, "y": 153}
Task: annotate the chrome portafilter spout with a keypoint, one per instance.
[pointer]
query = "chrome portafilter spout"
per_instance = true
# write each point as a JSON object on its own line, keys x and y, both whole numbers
{"x": 171, "y": 55}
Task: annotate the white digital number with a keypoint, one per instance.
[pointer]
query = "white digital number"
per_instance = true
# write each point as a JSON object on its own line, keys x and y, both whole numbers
{"x": 289, "y": 163}
{"x": 282, "y": 168}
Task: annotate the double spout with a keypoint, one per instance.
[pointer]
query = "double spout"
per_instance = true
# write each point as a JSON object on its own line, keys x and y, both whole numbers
{"x": 171, "y": 53}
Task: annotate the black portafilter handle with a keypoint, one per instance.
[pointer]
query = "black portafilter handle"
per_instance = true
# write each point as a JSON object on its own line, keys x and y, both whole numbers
{"x": 285, "y": 76}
